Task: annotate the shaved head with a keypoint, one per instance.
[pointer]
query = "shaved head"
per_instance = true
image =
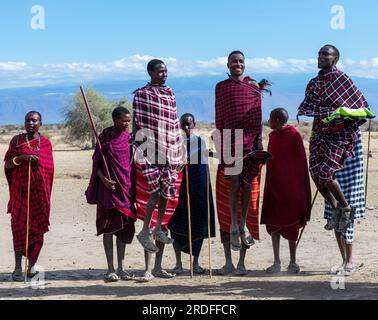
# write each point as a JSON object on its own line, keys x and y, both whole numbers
{"x": 281, "y": 114}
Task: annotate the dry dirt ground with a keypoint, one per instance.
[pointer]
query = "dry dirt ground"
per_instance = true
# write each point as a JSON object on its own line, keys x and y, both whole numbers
{"x": 74, "y": 261}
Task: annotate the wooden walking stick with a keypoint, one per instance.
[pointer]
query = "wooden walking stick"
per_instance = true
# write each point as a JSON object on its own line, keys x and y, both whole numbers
{"x": 367, "y": 164}
{"x": 189, "y": 222}
{"x": 303, "y": 229}
{"x": 95, "y": 132}
{"x": 209, "y": 221}
{"x": 27, "y": 225}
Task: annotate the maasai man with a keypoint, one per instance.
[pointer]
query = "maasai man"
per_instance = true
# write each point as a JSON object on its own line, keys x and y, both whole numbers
{"x": 287, "y": 196}
{"x": 238, "y": 106}
{"x": 156, "y": 127}
{"x": 199, "y": 198}
{"x": 351, "y": 180}
{"x": 29, "y": 148}
{"x": 337, "y": 107}
{"x": 114, "y": 195}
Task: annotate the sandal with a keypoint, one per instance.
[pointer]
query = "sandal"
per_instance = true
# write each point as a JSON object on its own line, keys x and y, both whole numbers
{"x": 198, "y": 270}
{"x": 275, "y": 268}
{"x": 146, "y": 242}
{"x": 346, "y": 219}
{"x": 17, "y": 276}
{"x": 178, "y": 270}
{"x": 125, "y": 276}
{"x": 162, "y": 237}
{"x": 293, "y": 268}
{"x": 147, "y": 277}
{"x": 246, "y": 237}
{"x": 235, "y": 239}
{"x": 225, "y": 270}
{"x": 111, "y": 277}
{"x": 334, "y": 221}
{"x": 163, "y": 274}
{"x": 241, "y": 271}
{"x": 347, "y": 271}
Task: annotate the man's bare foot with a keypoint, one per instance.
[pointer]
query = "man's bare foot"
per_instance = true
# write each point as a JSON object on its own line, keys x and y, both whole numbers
{"x": 225, "y": 270}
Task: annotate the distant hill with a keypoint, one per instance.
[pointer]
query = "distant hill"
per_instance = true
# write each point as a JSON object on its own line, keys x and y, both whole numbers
{"x": 194, "y": 95}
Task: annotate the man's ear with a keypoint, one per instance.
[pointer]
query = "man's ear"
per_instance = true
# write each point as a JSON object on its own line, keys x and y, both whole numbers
{"x": 228, "y": 65}
{"x": 336, "y": 60}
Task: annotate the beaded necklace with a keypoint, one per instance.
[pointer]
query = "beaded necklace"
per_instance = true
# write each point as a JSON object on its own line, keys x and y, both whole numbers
{"x": 29, "y": 146}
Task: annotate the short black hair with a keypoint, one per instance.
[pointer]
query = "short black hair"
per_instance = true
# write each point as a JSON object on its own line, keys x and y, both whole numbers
{"x": 187, "y": 115}
{"x": 153, "y": 63}
{"x": 281, "y": 114}
{"x": 235, "y": 52}
{"x": 34, "y": 112}
{"x": 335, "y": 49}
{"x": 119, "y": 112}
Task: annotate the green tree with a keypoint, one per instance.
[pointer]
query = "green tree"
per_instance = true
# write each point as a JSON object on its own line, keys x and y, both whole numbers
{"x": 77, "y": 120}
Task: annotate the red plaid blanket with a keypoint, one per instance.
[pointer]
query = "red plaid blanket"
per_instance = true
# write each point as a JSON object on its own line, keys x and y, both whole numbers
{"x": 41, "y": 185}
{"x": 155, "y": 111}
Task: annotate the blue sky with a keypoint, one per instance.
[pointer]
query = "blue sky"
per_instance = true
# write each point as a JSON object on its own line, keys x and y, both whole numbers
{"x": 98, "y": 39}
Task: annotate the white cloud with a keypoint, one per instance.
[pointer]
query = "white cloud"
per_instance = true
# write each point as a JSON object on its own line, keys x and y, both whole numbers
{"x": 12, "y": 66}
{"x": 19, "y": 74}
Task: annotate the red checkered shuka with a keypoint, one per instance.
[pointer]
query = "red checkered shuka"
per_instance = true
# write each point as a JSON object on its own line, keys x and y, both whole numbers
{"x": 238, "y": 106}
{"x": 42, "y": 174}
{"x": 328, "y": 92}
{"x": 155, "y": 110}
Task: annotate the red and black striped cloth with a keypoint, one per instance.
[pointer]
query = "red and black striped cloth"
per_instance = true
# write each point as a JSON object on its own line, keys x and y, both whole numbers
{"x": 238, "y": 107}
{"x": 42, "y": 175}
{"x": 331, "y": 144}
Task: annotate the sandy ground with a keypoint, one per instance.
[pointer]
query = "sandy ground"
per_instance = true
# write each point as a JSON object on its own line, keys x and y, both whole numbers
{"x": 74, "y": 260}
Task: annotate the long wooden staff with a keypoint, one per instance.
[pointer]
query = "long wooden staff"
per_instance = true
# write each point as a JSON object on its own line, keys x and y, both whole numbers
{"x": 95, "y": 132}
{"x": 27, "y": 226}
{"x": 367, "y": 165}
{"x": 209, "y": 221}
{"x": 189, "y": 222}
{"x": 303, "y": 229}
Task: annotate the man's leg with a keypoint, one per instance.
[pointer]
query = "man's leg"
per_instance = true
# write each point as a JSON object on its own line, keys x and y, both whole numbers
{"x": 178, "y": 268}
{"x": 158, "y": 271}
{"x": 144, "y": 236}
{"x": 161, "y": 236}
{"x": 228, "y": 267}
{"x": 121, "y": 249}
{"x": 325, "y": 192}
{"x": 293, "y": 266}
{"x": 241, "y": 270}
{"x": 342, "y": 249}
{"x": 17, "y": 274}
{"x": 110, "y": 276}
{"x": 276, "y": 267}
{"x": 234, "y": 194}
{"x": 108, "y": 246}
{"x": 151, "y": 205}
{"x": 246, "y": 237}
